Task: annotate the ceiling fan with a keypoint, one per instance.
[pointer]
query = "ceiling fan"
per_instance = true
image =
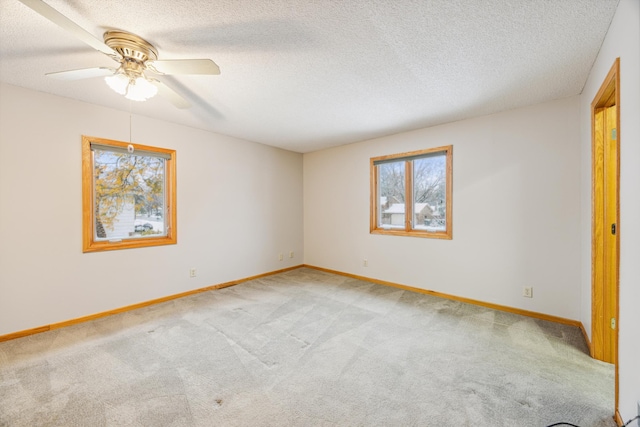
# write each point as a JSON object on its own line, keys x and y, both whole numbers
{"x": 136, "y": 57}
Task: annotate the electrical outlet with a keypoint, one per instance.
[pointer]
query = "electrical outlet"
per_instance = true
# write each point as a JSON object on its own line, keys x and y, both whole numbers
{"x": 291, "y": 254}
{"x": 280, "y": 257}
{"x": 527, "y": 292}
{"x": 365, "y": 263}
{"x": 192, "y": 272}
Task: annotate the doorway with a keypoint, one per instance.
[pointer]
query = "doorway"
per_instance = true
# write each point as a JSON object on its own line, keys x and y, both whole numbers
{"x": 605, "y": 124}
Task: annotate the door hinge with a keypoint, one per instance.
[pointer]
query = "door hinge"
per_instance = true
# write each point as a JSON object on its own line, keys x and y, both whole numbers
{"x": 613, "y": 228}
{"x": 613, "y": 323}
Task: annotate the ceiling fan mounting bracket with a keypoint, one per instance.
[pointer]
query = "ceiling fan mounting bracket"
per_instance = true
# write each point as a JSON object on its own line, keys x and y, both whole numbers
{"x": 130, "y": 46}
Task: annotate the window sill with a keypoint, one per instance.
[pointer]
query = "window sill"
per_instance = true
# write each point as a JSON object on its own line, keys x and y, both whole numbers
{"x": 414, "y": 233}
{"x": 106, "y": 245}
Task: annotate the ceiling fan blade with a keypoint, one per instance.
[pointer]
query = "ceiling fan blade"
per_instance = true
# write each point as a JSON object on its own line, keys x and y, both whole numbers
{"x": 65, "y": 23}
{"x": 83, "y": 73}
{"x": 184, "y": 66}
{"x": 170, "y": 95}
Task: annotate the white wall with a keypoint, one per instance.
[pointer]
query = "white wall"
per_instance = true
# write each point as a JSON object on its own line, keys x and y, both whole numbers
{"x": 623, "y": 41}
{"x": 239, "y": 205}
{"x": 516, "y": 210}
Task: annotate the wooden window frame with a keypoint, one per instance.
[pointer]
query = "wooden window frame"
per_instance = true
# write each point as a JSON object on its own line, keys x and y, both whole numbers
{"x": 408, "y": 230}
{"x": 89, "y": 243}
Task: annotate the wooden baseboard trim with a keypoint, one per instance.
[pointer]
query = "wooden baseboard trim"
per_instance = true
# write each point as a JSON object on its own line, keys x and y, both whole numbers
{"x": 83, "y": 319}
{"x": 504, "y": 308}
{"x": 24, "y": 333}
{"x": 586, "y": 337}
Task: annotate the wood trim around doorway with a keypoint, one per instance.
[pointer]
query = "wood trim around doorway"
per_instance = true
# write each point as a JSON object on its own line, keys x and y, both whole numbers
{"x": 608, "y": 95}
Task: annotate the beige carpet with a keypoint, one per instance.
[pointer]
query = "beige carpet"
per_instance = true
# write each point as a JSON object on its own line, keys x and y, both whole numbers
{"x": 305, "y": 348}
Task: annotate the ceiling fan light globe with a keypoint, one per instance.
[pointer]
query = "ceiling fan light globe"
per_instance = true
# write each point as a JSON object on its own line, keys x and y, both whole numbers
{"x": 118, "y": 83}
{"x": 141, "y": 89}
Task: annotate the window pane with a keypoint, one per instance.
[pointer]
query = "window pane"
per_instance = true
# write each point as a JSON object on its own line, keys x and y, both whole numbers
{"x": 429, "y": 193}
{"x": 391, "y": 194}
{"x": 129, "y": 195}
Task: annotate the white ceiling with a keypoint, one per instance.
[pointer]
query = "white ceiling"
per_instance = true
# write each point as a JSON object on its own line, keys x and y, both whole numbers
{"x": 309, "y": 74}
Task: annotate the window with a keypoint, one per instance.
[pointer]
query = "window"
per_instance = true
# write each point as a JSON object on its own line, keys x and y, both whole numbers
{"x": 411, "y": 193}
{"x": 128, "y": 195}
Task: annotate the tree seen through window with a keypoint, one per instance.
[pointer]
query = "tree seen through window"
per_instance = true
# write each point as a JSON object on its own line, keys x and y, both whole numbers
{"x": 129, "y": 194}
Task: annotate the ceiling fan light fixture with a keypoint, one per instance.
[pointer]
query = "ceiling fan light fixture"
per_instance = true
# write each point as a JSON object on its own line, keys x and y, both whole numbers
{"x": 135, "y": 89}
{"x": 140, "y": 89}
{"x": 118, "y": 83}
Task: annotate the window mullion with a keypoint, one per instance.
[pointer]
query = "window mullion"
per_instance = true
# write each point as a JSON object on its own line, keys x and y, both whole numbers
{"x": 376, "y": 201}
{"x": 408, "y": 199}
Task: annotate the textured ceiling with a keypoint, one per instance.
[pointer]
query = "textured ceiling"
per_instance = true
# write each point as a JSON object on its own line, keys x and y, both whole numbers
{"x": 309, "y": 74}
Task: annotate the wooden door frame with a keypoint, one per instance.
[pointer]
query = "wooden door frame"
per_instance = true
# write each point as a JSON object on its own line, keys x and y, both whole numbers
{"x": 608, "y": 95}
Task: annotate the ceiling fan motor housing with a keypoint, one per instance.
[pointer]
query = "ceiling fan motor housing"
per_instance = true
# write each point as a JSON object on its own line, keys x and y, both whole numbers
{"x": 135, "y": 52}
{"x": 130, "y": 46}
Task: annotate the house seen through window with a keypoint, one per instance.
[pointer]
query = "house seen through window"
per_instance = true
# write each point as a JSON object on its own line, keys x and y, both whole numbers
{"x": 411, "y": 193}
{"x": 128, "y": 195}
